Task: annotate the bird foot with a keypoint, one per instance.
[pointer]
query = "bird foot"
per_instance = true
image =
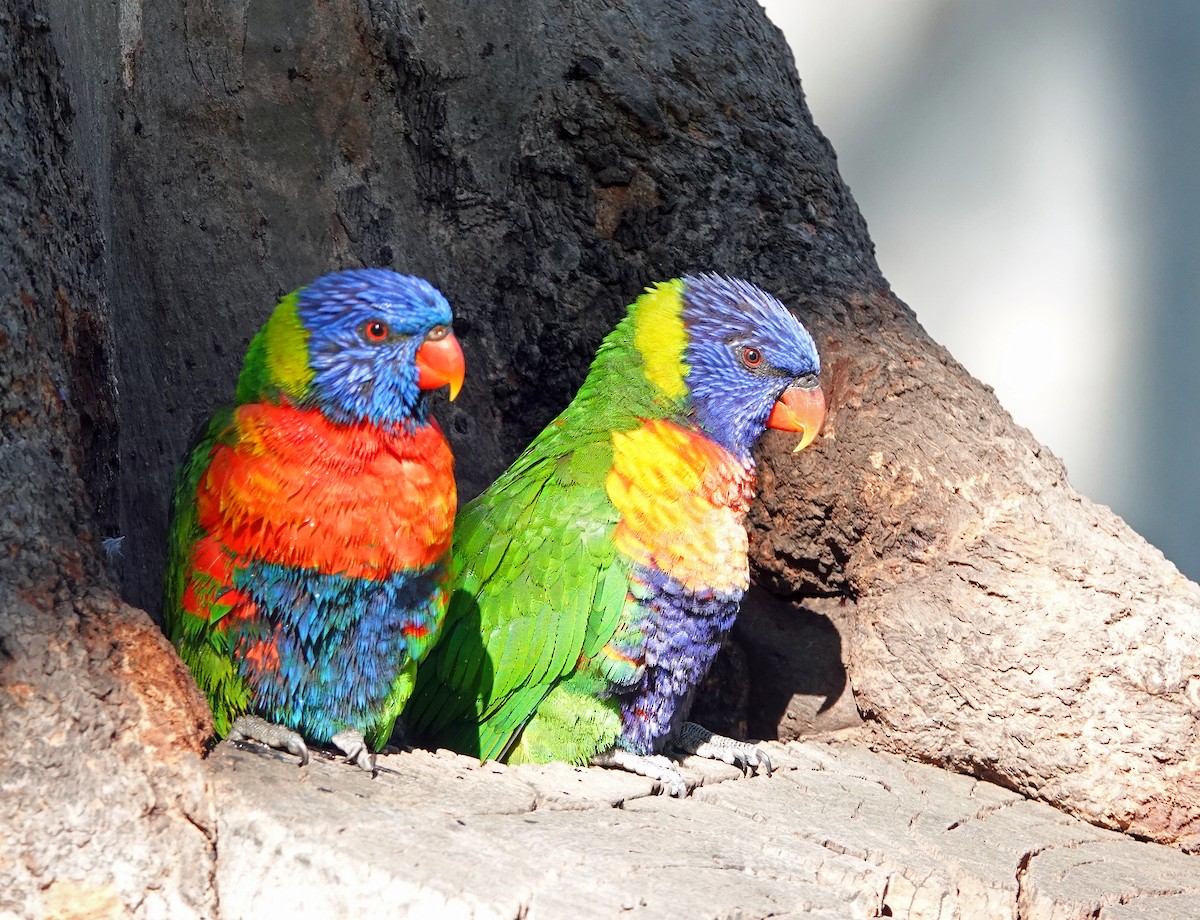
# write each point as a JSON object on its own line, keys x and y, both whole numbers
{"x": 254, "y": 728}
{"x": 655, "y": 766}
{"x": 699, "y": 741}
{"x": 351, "y": 743}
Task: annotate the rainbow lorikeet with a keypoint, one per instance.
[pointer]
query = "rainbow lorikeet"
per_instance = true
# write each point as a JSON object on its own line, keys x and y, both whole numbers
{"x": 595, "y": 580}
{"x": 311, "y": 523}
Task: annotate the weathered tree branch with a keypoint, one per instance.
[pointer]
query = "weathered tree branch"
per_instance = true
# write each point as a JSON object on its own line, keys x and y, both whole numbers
{"x": 1005, "y": 625}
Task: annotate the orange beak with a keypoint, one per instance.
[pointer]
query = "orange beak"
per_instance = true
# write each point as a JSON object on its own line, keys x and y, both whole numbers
{"x": 440, "y": 362}
{"x": 799, "y": 409}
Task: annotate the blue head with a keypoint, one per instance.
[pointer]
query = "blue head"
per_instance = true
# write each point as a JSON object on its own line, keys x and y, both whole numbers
{"x": 375, "y": 340}
{"x": 750, "y": 364}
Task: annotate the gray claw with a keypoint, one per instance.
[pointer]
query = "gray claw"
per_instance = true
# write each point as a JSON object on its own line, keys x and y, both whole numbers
{"x": 254, "y": 728}
{"x": 699, "y": 741}
{"x": 654, "y": 766}
{"x": 351, "y": 743}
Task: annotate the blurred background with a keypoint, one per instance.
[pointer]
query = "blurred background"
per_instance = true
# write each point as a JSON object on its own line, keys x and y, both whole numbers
{"x": 1030, "y": 173}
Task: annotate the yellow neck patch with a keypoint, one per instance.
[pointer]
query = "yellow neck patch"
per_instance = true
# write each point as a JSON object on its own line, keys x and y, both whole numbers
{"x": 659, "y": 336}
{"x": 286, "y": 342}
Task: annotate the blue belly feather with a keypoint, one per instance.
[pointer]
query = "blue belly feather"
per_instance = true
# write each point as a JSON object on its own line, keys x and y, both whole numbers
{"x": 341, "y": 643}
{"x": 683, "y": 631}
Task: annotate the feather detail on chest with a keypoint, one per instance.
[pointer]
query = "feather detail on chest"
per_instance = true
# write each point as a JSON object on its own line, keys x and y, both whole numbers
{"x": 682, "y": 500}
{"x": 295, "y": 489}
{"x": 311, "y": 521}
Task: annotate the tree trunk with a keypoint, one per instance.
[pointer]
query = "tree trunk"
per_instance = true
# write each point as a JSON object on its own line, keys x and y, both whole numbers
{"x": 540, "y": 162}
{"x": 104, "y": 809}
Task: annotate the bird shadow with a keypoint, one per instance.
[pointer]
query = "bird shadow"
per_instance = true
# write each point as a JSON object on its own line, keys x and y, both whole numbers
{"x": 439, "y": 715}
{"x": 781, "y": 674}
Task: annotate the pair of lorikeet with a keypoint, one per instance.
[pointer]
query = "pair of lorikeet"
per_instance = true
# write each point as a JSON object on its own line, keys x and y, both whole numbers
{"x": 319, "y": 584}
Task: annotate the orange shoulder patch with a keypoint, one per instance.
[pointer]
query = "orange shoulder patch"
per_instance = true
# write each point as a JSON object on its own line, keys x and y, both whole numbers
{"x": 683, "y": 502}
{"x": 298, "y": 490}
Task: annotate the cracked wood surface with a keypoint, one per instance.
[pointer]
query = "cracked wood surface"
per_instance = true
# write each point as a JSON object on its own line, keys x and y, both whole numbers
{"x": 838, "y": 831}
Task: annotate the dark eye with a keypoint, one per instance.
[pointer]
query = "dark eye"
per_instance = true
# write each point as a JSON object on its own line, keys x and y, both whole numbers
{"x": 437, "y": 332}
{"x": 375, "y": 330}
{"x": 751, "y": 357}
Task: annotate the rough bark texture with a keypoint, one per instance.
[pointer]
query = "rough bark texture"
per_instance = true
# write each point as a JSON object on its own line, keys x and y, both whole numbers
{"x": 104, "y": 807}
{"x": 540, "y": 161}
{"x": 838, "y": 832}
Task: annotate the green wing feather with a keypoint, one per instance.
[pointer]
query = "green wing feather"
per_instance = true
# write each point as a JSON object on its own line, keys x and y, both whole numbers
{"x": 539, "y": 586}
{"x": 204, "y": 650}
{"x": 530, "y": 566}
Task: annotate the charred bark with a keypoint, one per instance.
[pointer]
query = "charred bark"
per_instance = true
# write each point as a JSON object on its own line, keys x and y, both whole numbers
{"x": 105, "y": 810}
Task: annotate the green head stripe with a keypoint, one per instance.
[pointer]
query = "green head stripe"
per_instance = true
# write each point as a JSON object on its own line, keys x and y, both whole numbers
{"x": 660, "y": 338}
{"x": 278, "y": 356}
